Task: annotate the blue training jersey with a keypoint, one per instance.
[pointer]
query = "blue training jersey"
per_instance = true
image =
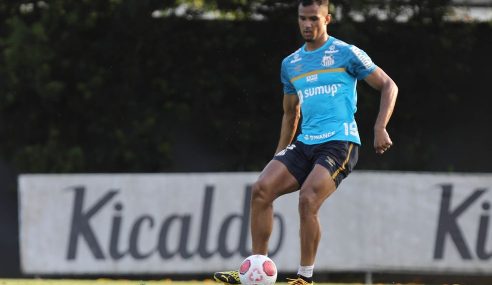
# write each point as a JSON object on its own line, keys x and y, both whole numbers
{"x": 325, "y": 81}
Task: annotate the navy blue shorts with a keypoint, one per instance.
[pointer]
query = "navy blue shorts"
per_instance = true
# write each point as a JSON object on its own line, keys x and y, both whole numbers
{"x": 339, "y": 157}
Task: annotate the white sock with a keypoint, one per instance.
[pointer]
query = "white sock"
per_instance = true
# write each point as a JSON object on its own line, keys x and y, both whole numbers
{"x": 306, "y": 271}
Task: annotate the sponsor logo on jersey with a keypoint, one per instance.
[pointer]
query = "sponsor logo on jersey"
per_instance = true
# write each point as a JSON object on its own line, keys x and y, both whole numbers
{"x": 340, "y": 43}
{"x": 331, "y": 49}
{"x": 330, "y": 90}
{"x": 297, "y": 58}
{"x": 366, "y": 60}
{"x": 327, "y": 60}
{"x": 318, "y": 137}
{"x": 301, "y": 97}
{"x": 312, "y": 78}
{"x": 289, "y": 147}
{"x": 330, "y": 161}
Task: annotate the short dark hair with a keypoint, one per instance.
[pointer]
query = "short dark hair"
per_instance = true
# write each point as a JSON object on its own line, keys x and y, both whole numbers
{"x": 311, "y": 2}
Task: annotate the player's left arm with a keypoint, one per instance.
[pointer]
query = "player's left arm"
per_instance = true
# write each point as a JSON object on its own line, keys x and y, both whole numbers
{"x": 380, "y": 81}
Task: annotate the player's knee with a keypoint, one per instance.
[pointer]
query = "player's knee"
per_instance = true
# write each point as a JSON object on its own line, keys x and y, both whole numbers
{"x": 308, "y": 205}
{"x": 261, "y": 194}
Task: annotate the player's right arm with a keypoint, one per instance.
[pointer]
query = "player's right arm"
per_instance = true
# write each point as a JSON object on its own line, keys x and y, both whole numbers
{"x": 290, "y": 119}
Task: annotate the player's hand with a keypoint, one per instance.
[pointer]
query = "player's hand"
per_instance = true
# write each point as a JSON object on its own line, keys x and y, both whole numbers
{"x": 382, "y": 141}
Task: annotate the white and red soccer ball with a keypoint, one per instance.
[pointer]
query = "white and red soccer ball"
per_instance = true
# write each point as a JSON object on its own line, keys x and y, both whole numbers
{"x": 258, "y": 270}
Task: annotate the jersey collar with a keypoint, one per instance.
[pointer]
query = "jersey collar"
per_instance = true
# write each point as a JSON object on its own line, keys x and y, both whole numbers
{"x": 327, "y": 43}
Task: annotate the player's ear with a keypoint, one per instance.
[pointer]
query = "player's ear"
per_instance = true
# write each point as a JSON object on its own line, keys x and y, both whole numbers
{"x": 328, "y": 18}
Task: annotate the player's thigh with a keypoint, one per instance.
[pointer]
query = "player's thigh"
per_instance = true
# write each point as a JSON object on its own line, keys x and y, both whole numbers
{"x": 275, "y": 180}
{"x": 319, "y": 185}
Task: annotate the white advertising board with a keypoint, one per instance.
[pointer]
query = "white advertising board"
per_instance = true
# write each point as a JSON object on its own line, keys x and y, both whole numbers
{"x": 198, "y": 223}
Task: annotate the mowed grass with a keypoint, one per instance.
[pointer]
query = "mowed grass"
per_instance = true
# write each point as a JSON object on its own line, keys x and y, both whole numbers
{"x": 99, "y": 282}
{"x": 116, "y": 282}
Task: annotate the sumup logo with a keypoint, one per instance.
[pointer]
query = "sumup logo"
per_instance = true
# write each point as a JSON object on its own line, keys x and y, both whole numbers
{"x": 330, "y": 90}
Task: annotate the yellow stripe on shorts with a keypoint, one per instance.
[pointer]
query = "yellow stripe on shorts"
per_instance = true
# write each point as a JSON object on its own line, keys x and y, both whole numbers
{"x": 341, "y": 168}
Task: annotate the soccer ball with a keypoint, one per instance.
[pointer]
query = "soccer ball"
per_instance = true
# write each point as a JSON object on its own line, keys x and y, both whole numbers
{"x": 258, "y": 270}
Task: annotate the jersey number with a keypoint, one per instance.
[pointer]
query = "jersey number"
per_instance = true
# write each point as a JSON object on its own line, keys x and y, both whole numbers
{"x": 351, "y": 129}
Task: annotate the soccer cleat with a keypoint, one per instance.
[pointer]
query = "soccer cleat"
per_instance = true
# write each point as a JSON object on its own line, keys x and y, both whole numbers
{"x": 298, "y": 281}
{"x": 228, "y": 277}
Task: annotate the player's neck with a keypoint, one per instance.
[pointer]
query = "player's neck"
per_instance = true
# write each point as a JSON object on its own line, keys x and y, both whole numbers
{"x": 316, "y": 44}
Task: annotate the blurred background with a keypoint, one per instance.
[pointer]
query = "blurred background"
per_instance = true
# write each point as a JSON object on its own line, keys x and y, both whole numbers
{"x": 147, "y": 86}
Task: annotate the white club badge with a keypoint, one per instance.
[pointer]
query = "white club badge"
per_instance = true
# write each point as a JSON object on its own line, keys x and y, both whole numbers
{"x": 327, "y": 60}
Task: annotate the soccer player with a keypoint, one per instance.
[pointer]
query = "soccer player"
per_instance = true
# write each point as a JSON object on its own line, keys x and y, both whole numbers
{"x": 319, "y": 81}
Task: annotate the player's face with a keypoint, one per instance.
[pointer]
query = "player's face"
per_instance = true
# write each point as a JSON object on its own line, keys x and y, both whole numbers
{"x": 312, "y": 21}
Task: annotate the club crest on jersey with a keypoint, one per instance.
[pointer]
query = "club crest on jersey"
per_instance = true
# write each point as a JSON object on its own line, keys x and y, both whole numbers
{"x": 327, "y": 60}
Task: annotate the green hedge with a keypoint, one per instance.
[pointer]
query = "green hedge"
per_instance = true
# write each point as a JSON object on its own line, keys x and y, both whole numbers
{"x": 118, "y": 91}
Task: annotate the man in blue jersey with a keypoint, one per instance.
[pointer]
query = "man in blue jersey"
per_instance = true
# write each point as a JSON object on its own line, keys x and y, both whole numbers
{"x": 319, "y": 81}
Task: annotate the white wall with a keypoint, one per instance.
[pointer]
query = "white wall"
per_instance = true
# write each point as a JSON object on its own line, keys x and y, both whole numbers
{"x": 197, "y": 223}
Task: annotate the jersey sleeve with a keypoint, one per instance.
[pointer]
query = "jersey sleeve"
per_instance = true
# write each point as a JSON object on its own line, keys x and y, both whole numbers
{"x": 284, "y": 77}
{"x": 361, "y": 64}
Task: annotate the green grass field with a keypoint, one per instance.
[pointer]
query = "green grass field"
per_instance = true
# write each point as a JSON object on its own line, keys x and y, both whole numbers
{"x": 84, "y": 282}
{"x": 98, "y": 282}
{"x": 113, "y": 282}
